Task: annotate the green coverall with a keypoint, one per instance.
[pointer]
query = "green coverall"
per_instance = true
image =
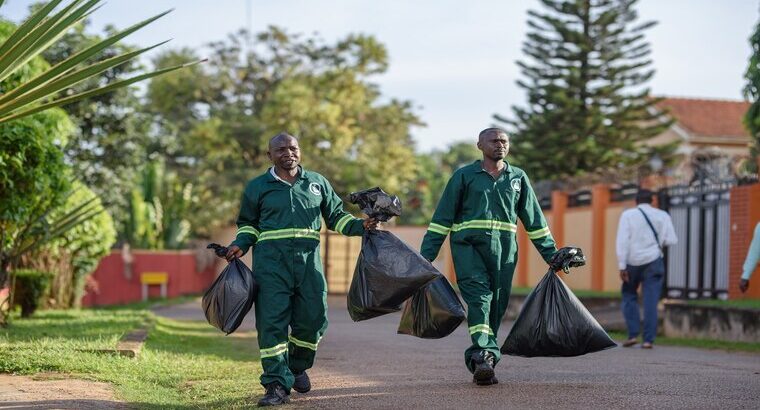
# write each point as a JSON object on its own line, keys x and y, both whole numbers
{"x": 481, "y": 214}
{"x": 282, "y": 222}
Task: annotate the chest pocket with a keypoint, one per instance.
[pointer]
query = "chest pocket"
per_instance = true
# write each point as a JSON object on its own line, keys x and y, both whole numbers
{"x": 311, "y": 195}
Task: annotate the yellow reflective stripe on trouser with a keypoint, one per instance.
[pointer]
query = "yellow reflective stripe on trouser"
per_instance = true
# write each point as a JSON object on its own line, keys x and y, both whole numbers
{"x": 274, "y": 351}
{"x": 289, "y": 233}
{"x": 342, "y": 222}
{"x": 481, "y": 329}
{"x": 301, "y": 343}
{"x": 485, "y": 224}
{"x": 540, "y": 233}
{"x": 247, "y": 229}
{"x": 439, "y": 229}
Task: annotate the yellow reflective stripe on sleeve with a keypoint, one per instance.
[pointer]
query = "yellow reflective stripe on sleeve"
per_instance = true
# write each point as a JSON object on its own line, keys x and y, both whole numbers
{"x": 247, "y": 229}
{"x": 481, "y": 328}
{"x": 439, "y": 229}
{"x": 289, "y": 233}
{"x": 342, "y": 222}
{"x": 485, "y": 224}
{"x": 301, "y": 343}
{"x": 274, "y": 351}
{"x": 540, "y": 233}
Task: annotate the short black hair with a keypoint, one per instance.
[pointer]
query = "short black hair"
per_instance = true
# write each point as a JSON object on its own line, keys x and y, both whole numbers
{"x": 492, "y": 130}
{"x": 644, "y": 196}
{"x": 280, "y": 135}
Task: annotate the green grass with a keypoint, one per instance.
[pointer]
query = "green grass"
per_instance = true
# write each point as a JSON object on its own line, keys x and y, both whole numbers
{"x": 151, "y": 303}
{"x": 739, "y": 303}
{"x": 182, "y": 365}
{"x": 698, "y": 343}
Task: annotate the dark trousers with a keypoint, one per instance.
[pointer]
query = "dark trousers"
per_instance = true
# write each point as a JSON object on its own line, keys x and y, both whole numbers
{"x": 650, "y": 277}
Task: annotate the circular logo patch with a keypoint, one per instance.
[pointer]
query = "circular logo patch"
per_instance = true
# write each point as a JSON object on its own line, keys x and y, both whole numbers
{"x": 315, "y": 189}
{"x": 515, "y": 184}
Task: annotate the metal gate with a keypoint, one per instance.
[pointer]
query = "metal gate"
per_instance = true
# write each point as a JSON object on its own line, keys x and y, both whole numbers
{"x": 697, "y": 267}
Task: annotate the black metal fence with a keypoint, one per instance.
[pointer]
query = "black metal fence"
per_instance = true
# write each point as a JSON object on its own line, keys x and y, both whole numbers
{"x": 697, "y": 267}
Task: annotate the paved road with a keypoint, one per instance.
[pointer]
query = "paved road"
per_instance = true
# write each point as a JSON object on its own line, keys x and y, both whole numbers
{"x": 368, "y": 365}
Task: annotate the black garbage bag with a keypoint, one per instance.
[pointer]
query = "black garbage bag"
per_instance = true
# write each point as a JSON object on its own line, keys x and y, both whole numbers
{"x": 231, "y": 295}
{"x": 553, "y": 322}
{"x": 566, "y": 258}
{"x": 387, "y": 273}
{"x": 377, "y": 204}
{"x": 433, "y": 312}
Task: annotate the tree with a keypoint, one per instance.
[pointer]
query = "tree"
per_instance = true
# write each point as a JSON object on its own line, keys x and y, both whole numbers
{"x": 752, "y": 92}
{"x": 434, "y": 171}
{"x": 589, "y": 109}
{"x": 32, "y": 169}
{"x": 216, "y": 125}
{"x": 112, "y": 131}
{"x": 159, "y": 210}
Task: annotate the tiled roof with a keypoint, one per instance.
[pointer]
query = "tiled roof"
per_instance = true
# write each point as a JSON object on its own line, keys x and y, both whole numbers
{"x": 708, "y": 118}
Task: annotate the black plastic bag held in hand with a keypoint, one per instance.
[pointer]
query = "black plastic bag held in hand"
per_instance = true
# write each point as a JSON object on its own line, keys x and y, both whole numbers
{"x": 433, "y": 312}
{"x": 553, "y": 322}
{"x": 387, "y": 273}
{"x": 377, "y": 204}
{"x": 231, "y": 295}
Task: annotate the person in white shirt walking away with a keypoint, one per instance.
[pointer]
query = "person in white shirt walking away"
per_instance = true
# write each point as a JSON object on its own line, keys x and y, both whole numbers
{"x": 642, "y": 233}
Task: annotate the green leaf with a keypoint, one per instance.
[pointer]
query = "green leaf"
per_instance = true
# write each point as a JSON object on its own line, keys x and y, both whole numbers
{"x": 92, "y": 93}
{"x": 42, "y": 36}
{"x": 19, "y": 97}
{"x": 27, "y": 26}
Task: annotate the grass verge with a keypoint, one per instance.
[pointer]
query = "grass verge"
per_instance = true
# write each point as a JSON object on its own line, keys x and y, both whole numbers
{"x": 182, "y": 365}
{"x": 738, "y": 303}
{"x": 698, "y": 343}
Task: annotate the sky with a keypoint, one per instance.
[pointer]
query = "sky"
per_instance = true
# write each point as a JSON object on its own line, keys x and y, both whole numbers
{"x": 455, "y": 60}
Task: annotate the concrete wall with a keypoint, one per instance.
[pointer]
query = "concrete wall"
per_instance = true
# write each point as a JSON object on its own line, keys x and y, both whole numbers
{"x": 578, "y": 222}
{"x": 704, "y": 322}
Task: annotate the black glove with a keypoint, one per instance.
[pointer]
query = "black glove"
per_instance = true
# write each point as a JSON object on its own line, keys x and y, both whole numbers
{"x": 566, "y": 258}
{"x": 219, "y": 250}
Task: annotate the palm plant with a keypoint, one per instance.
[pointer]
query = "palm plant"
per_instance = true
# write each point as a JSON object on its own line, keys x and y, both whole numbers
{"x": 42, "y": 29}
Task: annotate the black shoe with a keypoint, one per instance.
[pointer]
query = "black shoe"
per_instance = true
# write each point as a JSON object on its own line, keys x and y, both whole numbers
{"x": 492, "y": 380}
{"x": 302, "y": 383}
{"x": 275, "y": 395}
{"x": 482, "y": 367}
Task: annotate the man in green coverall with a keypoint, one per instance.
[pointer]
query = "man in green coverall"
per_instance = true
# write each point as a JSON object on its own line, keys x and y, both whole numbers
{"x": 480, "y": 207}
{"x": 280, "y": 219}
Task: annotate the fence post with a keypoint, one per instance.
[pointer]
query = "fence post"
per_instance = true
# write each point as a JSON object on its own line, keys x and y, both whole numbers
{"x": 600, "y": 201}
{"x": 744, "y": 214}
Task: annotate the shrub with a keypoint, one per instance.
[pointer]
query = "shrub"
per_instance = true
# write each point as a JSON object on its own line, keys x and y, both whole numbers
{"x": 31, "y": 287}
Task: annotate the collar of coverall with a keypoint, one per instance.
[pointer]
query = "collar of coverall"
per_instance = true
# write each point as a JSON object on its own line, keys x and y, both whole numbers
{"x": 275, "y": 178}
{"x": 480, "y": 166}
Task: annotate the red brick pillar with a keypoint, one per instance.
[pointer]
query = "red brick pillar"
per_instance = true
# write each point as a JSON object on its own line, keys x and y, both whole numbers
{"x": 745, "y": 214}
{"x": 600, "y": 201}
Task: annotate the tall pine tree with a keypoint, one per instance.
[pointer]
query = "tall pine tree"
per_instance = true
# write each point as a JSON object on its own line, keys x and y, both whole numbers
{"x": 752, "y": 92}
{"x": 589, "y": 110}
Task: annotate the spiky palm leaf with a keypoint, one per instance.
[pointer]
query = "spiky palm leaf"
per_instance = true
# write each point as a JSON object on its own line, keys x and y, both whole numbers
{"x": 42, "y": 29}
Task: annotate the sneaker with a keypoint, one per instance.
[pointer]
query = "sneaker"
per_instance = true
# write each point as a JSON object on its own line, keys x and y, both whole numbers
{"x": 630, "y": 342}
{"x": 646, "y": 345}
{"x": 492, "y": 380}
{"x": 302, "y": 383}
{"x": 274, "y": 396}
{"x": 483, "y": 363}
